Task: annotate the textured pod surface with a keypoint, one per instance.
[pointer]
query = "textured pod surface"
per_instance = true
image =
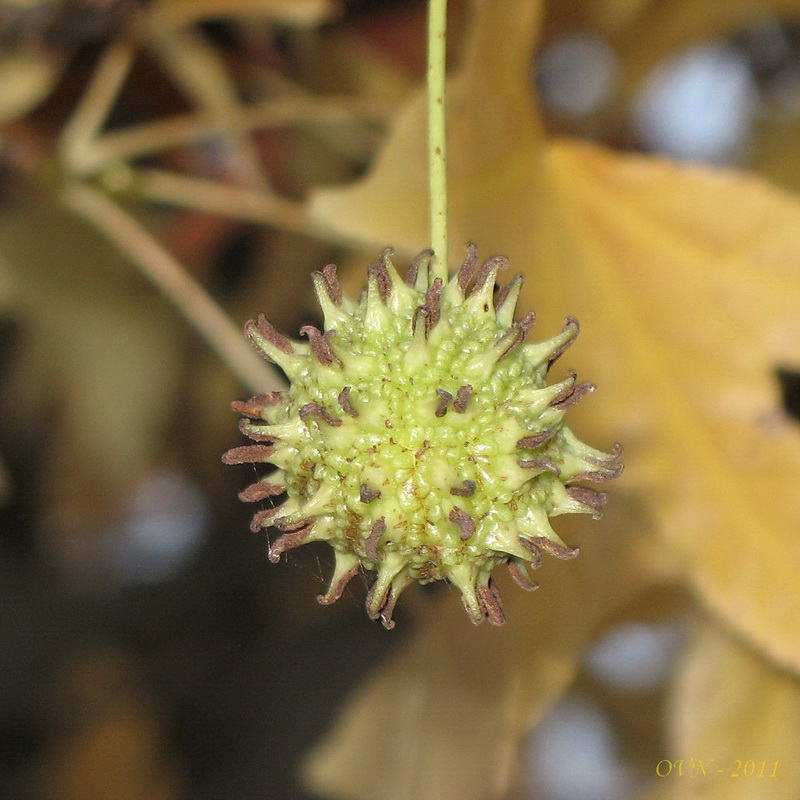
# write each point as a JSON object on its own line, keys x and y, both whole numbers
{"x": 419, "y": 436}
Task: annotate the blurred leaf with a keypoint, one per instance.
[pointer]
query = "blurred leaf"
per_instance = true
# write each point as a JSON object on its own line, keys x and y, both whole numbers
{"x": 612, "y": 15}
{"x": 666, "y": 26}
{"x": 26, "y": 78}
{"x": 112, "y": 744}
{"x": 96, "y": 378}
{"x": 735, "y": 713}
{"x": 444, "y": 717}
{"x": 644, "y": 33}
{"x": 775, "y": 151}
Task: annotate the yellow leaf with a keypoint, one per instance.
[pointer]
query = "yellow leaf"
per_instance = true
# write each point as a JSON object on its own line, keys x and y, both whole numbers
{"x": 493, "y": 152}
{"x": 687, "y": 283}
{"x": 693, "y": 275}
{"x": 734, "y": 724}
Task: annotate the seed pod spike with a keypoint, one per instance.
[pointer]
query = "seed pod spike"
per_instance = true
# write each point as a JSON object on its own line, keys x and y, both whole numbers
{"x": 346, "y": 403}
{"x": 520, "y": 576}
{"x": 419, "y": 272}
{"x": 457, "y": 288}
{"x": 390, "y": 567}
{"x": 557, "y": 549}
{"x": 572, "y": 395}
{"x": 464, "y": 578}
{"x": 570, "y": 333}
{"x": 383, "y": 280}
{"x": 445, "y": 398}
{"x": 346, "y": 568}
{"x": 335, "y": 311}
{"x": 288, "y": 541}
{"x": 288, "y": 355}
{"x": 256, "y": 406}
{"x": 367, "y": 494}
{"x": 316, "y": 410}
{"x": 321, "y": 346}
{"x": 482, "y": 292}
{"x": 545, "y": 353}
{"x": 536, "y": 400}
{"x": 506, "y": 301}
{"x": 467, "y": 489}
{"x": 593, "y": 501}
{"x": 536, "y": 440}
{"x": 464, "y": 521}
{"x": 249, "y": 454}
{"x": 371, "y": 545}
{"x": 491, "y": 603}
{"x": 260, "y": 491}
{"x": 398, "y": 584}
{"x": 258, "y": 432}
{"x": 379, "y": 287}
{"x": 462, "y": 398}
{"x": 262, "y": 519}
{"x": 598, "y": 476}
{"x": 432, "y": 306}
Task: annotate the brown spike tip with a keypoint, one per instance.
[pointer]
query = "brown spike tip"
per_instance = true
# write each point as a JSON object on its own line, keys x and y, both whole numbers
{"x": 287, "y": 541}
{"x": 254, "y": 407}
{"x": 248, "y": 454}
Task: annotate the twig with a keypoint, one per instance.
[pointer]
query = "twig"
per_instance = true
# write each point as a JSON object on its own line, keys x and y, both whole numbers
{"x": 437, "y": 145}
{"x": 153, "y": 137}
{"x": 198, "y": 69}
{"x": 234, "y": 202}
{"x": 167, "y": 274}
{"x": 298, "y": 13}
{"x": 98, "y": 98}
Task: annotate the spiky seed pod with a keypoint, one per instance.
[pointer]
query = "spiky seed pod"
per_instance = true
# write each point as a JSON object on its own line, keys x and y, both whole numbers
{"x": 419, "y": 436}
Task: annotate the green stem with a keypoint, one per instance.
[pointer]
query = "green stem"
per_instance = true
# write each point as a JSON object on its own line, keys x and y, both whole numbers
{"x": 437, "y": 151}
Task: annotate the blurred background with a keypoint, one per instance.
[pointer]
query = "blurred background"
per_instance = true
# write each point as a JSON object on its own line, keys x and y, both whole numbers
{"x": 147, "y": 648}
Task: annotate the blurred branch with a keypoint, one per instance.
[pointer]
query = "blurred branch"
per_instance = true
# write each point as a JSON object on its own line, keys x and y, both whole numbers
{"x": 226, "y": 200}
{"x": 154, "y": 137}
{"x": 167, "y": 274}
{"x": 201, "y": 73}
{"x": 297, "y": 13}
{"x": 98, "y": 99}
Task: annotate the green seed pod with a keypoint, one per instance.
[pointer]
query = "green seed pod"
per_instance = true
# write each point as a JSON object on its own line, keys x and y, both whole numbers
{"x": 419, "y": 436}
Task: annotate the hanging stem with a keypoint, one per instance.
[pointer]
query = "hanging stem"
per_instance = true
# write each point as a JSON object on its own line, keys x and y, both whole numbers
{"x": 437, "y": 151}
